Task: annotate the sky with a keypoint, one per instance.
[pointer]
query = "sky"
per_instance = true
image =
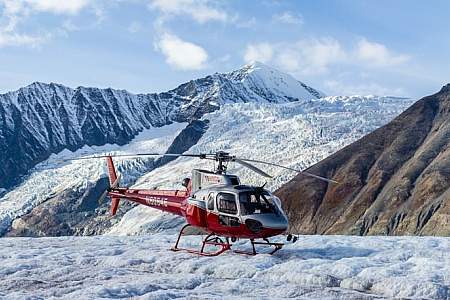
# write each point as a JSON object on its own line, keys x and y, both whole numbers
{"x": 341, "y": 47}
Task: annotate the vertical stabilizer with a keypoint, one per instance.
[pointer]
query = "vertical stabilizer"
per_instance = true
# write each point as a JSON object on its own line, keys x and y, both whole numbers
{"x": 111, "y": 170}
{"x": 114, "y": 182}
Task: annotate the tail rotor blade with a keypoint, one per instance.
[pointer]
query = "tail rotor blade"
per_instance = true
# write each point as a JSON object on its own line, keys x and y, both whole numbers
{"x": 252, "y": 167}
{"x": 115, "y": 184}
{"x": 102, "y": 197}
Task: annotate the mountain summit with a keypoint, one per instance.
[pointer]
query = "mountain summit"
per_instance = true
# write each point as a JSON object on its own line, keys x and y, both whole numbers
{"x": 261, "y": 78}
{"x": 41, "y": 118}
{"x": 394, "y": 181}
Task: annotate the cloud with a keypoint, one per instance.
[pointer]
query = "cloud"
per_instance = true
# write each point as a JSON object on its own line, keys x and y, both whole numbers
{"x": 376, "y": 54}
{"x": 68, "y": 25}
{"x": 181, "y": 54}
{"x": 262, "y": 52}
{"x": 58, "y": 6}
{"x": 288, "y": 18}
{"x": 244, "y": 23}
{"x": 14, "y": 13}
{"x": 201, "y": 11}
{"x": 11, "y": 14}
{"x": 317, "y": 55}
{"x": 339, "y": 87}
{"x": 311, "y": 56}
{"x": 15, "y": 39}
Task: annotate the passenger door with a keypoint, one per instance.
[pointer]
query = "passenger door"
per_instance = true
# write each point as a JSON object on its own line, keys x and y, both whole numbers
{"x": 228, "y": 209}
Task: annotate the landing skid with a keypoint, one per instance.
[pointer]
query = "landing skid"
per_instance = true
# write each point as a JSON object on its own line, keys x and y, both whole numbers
{"x": 276, "y": 247}
{"x": 213, "y": 240}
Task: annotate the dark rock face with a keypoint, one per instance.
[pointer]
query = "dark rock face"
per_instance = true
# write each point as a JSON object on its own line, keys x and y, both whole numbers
{"x": 46, "y": 118}
{"x": 77, "y": 212}
{"x": 394, "y": 181}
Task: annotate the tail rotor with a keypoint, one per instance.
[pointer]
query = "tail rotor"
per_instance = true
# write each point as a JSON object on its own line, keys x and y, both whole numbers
{"x": 115, "y": 184}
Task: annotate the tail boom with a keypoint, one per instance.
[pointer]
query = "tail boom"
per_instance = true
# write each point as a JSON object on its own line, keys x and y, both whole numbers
{"x": 168, "y": 201}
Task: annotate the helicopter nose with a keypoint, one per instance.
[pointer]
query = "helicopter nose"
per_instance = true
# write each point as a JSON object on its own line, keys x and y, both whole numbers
{"x": 283, "y": 222}
{"x": 267, "y": 221}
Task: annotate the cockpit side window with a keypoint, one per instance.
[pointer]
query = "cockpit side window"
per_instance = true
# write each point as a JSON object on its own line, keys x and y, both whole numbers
{"x": 226, "y": 203}
{"x": 210, "y": 203}
{"x": 253, "y": 202}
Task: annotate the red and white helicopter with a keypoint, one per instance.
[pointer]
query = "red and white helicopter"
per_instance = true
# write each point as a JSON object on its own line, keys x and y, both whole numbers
{"x": 214, "y": 202}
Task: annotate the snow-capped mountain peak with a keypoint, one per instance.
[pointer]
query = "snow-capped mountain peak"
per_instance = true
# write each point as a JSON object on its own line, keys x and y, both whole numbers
{"x": 256, "y": 75}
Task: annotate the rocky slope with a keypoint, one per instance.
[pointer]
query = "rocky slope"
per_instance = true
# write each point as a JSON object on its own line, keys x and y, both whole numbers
{"x": 41, "y": 119}
{"x": 394, "y": 181}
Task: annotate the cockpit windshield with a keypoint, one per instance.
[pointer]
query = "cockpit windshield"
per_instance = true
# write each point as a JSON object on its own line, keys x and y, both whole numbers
{"x": 256, "y": 202}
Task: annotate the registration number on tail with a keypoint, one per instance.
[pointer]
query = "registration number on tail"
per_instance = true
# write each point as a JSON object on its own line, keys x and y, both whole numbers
{"x": 156, "y": 201}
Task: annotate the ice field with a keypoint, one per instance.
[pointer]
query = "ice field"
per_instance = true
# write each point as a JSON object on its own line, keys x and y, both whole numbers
{"x": 316, "y": 267}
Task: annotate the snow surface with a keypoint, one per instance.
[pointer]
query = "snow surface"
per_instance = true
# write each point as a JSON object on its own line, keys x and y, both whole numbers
{"x": 316, "y": 267}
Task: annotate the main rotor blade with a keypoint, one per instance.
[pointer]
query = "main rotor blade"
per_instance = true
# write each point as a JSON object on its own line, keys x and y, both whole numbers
{"x": 252, "y": 167}
{"x": 140, "y": 154}
{"x": 291, "y": 169}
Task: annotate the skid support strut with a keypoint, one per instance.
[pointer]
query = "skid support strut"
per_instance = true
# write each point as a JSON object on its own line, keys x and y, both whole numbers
{"x": 211, "y": 239}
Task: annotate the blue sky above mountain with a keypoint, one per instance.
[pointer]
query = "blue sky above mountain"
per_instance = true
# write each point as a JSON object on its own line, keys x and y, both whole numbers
{"x": 340, "y": 47}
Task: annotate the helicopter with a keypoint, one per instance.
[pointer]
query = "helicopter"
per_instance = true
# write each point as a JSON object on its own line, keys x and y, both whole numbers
{"x": 214, "y": 202}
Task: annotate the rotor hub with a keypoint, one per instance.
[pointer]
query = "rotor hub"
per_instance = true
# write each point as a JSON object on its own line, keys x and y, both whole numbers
{"x": 222, "y": 158}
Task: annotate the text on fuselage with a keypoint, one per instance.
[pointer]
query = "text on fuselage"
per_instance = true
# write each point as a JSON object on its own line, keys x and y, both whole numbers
{"x": 156, "y": 201}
